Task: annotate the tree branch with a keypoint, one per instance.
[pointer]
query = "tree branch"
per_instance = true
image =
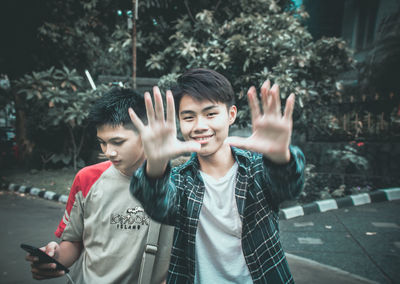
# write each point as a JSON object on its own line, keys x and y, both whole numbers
{"x": 189, "y": 12}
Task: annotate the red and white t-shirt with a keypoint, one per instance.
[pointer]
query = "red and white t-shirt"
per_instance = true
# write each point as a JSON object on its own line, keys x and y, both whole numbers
{"x": 112, "y": 226}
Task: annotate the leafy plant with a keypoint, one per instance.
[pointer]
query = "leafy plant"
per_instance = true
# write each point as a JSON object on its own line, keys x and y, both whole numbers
{"x": 252, "y": 41}
{"x": 57, "y": 103}
{"x": 349, "y": 159}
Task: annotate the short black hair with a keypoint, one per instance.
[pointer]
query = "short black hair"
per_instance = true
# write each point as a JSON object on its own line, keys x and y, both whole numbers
{"x": 203, "y": 84}
{"x": 112, "y": 108}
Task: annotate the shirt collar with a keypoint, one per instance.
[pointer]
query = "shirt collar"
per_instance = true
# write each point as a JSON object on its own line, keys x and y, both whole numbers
{"x": 242, "y": 157}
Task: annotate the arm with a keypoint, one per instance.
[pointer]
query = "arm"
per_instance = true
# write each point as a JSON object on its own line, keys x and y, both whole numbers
{"x": 66, "y": 253}
{"x": 159, "y": 196}
{"x": 154, "y": 185}
{"x": 286, "y": 181}
{"x": 272, "y": 130}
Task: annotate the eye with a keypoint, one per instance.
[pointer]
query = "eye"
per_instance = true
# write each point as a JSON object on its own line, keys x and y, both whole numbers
{"x": 117, "y": 143}
{"x": 188, "y": 118}
{"x": 212, "y": 114}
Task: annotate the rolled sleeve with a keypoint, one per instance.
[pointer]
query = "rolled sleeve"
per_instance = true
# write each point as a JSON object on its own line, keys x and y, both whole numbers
{"x": 157, "y": 195}
{"x": 286, "y": 180}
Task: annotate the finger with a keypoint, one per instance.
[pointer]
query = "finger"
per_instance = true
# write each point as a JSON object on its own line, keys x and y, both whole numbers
{"x": 159, "y": 108}
{"x": 275, "y": 100}
{"x": 253, "y": 103}
{"x": 264, "y": 95}
{"x": 46, "y": 274}
{"x": 137, "y": 122}
{"x": 238, "y": 142}
{"x": 170, "y": 108}
{"x": 50, "y": 248}
{"x": 31, "y": 258}
{"x": 42, "y": 266}
{"x": 188, "y": 147}
{"x": 289, "y": 107}
{"x": 149, "y": 108}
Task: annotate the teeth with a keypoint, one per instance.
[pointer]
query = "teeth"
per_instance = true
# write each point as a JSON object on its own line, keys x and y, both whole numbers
{"x": 202, "y": 138}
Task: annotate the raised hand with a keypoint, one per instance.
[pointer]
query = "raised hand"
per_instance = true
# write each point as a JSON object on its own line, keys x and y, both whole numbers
{"x": 271, "y": 130}
{"x": 159, "y": 135}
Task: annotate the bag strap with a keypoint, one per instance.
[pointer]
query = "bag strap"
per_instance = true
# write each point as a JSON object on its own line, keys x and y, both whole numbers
{"x": 149, "y": 255}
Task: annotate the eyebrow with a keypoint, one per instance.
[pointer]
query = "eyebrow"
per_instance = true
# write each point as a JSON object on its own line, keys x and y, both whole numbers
{"x": 203, "y": 110}
{"x": 111, "y": 140}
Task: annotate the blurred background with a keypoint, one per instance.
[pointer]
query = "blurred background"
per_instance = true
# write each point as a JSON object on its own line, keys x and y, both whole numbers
{"x": 340, "y": 57}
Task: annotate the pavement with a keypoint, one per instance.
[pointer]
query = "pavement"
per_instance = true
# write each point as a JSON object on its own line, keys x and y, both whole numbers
{"x": 358, "y": 244}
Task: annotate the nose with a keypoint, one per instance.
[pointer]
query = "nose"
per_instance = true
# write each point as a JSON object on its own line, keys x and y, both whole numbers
{"x": 110, "y": 152}
{"x": 200, "y": 124}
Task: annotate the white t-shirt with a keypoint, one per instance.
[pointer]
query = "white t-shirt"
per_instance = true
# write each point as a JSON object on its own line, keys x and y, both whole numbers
{"x": 112, "y": 226}
{"x": 219, "y": 255}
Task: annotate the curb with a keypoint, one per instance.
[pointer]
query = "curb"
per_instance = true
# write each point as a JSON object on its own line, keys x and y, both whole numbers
{"x": 46, "y": 194}
{"x": 328, "y": 269}
{"x": 380, "y": 195}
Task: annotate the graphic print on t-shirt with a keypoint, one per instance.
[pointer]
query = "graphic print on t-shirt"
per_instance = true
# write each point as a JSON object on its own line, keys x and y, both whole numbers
{"x": 130, "y": 219}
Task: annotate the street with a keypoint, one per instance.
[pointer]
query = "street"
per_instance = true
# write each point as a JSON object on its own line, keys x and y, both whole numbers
{"x": 362, "y": 240}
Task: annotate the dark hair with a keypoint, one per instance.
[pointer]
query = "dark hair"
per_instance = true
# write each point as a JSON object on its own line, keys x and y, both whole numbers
{"x": 112, "y": 108}
{"x": 203, "y": 84}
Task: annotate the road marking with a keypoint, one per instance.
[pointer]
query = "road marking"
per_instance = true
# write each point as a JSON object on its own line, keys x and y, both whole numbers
{"x": 310, "y": 241}
{"x": 393, "y": 193}
{"x": 304, "y": 224}
{"x": 326, "y": 205}
{"x": 385, "y": 225}
{"x": 292, "y": 212}
{"x": 360, "y": 199}
{"x": 49, "y": 195}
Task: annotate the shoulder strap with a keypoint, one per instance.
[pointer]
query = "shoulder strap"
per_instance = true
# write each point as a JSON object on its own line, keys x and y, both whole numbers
{"x": 149, "y": 255}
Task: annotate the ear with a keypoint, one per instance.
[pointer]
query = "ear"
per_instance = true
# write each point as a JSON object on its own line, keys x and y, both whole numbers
{"x": 232, "y": 112}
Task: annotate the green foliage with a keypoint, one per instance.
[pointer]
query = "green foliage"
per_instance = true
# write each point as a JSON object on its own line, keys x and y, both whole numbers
{"x": 57, "y": 104}
{"x": 348, "y": 158}
{"x": 257, "y": 40}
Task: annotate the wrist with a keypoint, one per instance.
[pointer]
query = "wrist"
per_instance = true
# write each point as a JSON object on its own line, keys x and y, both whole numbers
{"x": 281, "y": 158}
{"x": 156, "y": 169}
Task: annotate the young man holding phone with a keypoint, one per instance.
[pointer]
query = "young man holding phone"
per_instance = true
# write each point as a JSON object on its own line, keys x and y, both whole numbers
{"x": 104, "y": 229}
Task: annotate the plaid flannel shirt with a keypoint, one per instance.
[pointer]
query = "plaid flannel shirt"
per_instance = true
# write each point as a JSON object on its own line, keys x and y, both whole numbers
{"x": 176, "y": 199}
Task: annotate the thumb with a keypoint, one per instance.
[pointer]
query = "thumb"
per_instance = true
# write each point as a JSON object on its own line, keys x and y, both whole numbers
{"x": 190, "y": 146}
{"x": 236, "y": 141}
{"x": 50, "y": 248}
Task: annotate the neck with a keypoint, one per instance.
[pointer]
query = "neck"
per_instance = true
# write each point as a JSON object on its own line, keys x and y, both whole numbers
{"x": 129, "y": 172}
{"x": 217, "y": 164}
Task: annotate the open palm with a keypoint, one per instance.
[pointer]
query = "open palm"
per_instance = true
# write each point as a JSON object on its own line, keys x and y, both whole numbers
{"x": 271, "y": 130}
{"x": 159, "y": 137}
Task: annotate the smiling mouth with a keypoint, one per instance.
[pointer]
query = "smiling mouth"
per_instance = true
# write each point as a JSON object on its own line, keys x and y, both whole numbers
{"x": 202, "y": 139}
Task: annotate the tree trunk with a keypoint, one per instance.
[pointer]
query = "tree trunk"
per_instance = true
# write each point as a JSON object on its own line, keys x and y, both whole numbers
{"x": 25, "y": 147}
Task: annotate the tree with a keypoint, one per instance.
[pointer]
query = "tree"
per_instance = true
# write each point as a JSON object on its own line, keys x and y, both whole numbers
{"x": 251, "y": 41}
{"x": 56, "y": 103}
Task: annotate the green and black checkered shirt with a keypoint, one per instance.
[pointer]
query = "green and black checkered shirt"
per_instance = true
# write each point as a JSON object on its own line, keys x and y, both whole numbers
{"x": 176, "y": 200}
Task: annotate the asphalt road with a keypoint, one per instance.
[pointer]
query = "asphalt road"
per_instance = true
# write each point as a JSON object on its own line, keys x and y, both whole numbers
{"x": 363, "y": 240}
{"x": 29, "y": 220}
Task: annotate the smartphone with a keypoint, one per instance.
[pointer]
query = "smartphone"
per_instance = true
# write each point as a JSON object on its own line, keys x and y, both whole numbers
{"x": 43, "y": 257}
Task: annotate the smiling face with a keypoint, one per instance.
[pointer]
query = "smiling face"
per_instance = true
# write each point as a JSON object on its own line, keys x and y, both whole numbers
{"x": 205, "y": 122}
{"x": 122, "y": 146}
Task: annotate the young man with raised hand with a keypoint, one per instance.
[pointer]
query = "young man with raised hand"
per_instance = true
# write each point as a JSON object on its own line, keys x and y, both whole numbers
{"x": 104, "y": 229}
{"x": 224, "y": 201}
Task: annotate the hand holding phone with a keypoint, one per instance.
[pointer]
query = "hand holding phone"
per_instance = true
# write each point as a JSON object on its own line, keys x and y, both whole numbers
{"x": 43, "y": 257}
